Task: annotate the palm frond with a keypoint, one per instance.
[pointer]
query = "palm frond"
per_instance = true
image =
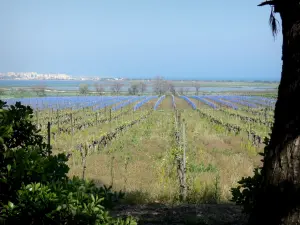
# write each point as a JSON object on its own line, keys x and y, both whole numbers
{"x": 267, "y": 3}
{"x": 273, "y": 22}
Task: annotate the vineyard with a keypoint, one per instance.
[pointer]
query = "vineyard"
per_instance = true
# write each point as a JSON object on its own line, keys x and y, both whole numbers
{"x": 158, "y": 148}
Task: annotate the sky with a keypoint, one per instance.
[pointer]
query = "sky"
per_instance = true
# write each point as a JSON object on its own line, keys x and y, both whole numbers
{"x": 176, "y": 39}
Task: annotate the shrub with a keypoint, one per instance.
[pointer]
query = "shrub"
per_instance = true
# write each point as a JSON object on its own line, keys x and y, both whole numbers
{"x": 250, "y": 189}
{"x": 34, "y": 185}
{"x": 83, "y": 89}
{"x": 246, "y": 193}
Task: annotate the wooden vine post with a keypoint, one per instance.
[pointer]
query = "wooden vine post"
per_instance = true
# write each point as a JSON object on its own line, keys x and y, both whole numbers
{"x": 84, "y": 153}
{"x": 110, "y": 118}
{"x": 132, "y": 114}
{"x": 72, "y": 128}
{"x": 125, "y": 177}
{"x": 96, "y": 118}
{"x": 49, "y": 137}
{"x": 57, "y": 118}
{"x": 37, "y": 118}
{"x": 181, "y": 167}
{"x": 180, "y": 138}
{"x": 266, "y": 117}
{"x": 51, "y": 115}
{"x": 122, "y": 114}
{"x": 112, "y": 170}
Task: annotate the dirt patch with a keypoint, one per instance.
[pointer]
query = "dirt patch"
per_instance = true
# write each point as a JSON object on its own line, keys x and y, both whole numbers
{"x": 182, "y": 104}
{"x": 149, "y": 105}
{"x": 166, "y": 103}
{"x": 217, "y": 145}
{"x": 199, "y": 104}
{"x": 204, "y": 214}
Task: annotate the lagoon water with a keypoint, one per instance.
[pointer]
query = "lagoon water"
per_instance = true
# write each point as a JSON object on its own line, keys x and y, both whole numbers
{"x": 73, "y": 85}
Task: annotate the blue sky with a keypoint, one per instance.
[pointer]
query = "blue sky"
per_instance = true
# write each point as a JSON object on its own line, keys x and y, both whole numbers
{"x": 140, "y": 38}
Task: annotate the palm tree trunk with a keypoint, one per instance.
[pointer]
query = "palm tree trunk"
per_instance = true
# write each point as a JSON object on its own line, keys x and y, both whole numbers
{"x": 279, "y": 202}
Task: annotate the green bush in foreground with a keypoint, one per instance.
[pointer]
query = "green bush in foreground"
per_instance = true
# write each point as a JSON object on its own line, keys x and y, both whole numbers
{"x": 34, "y": 187}
{"x": 247, "y": 192}
{"x": 250, "y": 188}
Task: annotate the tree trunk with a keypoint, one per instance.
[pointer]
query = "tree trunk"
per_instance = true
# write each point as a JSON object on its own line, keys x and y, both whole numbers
{"x": 279, "y": 202}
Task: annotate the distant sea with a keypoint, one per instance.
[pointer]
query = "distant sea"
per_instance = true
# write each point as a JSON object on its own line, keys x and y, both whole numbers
{"x": 66, "y": 85}
{"x": 73, "y": 85}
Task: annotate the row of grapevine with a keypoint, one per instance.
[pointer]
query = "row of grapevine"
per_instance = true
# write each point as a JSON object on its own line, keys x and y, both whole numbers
{"x": 125, "y": 103}
{"x": 270, "y": 100}
{"x": 259, "y": 100}
{"x": 230, "y": 127}
{"x": 141, "y": 103}
{"x": 205, "y": 101}
{"x": 99, "y": 102}
{"x": 230, "y": 100}
{"x": 159, "y": 101}
{"x": 248, "y": 119}
{"x": 61, "y": 117}
{"x": 218, "y": 100}
{"x": 173, "y": 102}
{"x": 73, "y": 102}
{"x": 105, "y": 138}
{"x": 88, "y": 123}
{"x": 110, "y": 102}
{"x": 252, "y": 135}
{"x": 192, "y": 104}
{"x": 264, "y": 112}
{"x": 48, "y": 114}
{"x": 236, "y": 99}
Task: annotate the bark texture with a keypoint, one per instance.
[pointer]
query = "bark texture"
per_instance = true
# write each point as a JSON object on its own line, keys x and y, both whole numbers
{"x": 279, "y": 202}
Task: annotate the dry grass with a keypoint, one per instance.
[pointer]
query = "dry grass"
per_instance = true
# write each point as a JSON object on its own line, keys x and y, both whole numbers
{"x": 140, "y": 161}
{"x": 166, "y": 103}
{"x": 181, "y": 104}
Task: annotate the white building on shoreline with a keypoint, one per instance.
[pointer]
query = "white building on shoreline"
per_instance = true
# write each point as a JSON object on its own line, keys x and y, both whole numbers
{"x": 34, "y": 76}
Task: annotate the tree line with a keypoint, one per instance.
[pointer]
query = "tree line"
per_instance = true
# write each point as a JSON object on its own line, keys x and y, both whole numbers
{"x": 115, "y": 88}
{"x": 159, "y": 85}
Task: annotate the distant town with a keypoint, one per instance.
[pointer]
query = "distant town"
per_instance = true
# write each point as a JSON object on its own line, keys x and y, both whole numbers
{"x": 66, "y": 77}
{"x": 46, "y": 76}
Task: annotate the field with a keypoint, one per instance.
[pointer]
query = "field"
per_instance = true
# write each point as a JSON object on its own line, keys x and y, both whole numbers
{"x": 131, "y": 142}
{"x": 29, "y": 88}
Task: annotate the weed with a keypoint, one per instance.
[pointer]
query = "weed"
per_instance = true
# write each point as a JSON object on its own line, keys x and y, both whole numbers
{"x": 202, "y": 168}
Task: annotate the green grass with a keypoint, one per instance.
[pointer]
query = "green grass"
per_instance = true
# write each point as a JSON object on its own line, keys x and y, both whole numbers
{"x": 141, "y": 162}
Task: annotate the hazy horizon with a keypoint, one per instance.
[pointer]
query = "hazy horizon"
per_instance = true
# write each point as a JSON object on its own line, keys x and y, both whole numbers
{"x": 211, "y": 40}
{"x": 175, "y": 79}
